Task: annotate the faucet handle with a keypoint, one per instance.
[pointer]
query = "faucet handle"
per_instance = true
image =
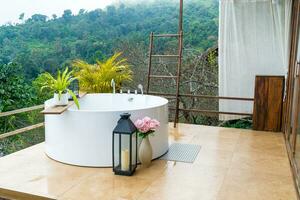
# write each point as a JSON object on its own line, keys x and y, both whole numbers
{"x": 140, "y": 86}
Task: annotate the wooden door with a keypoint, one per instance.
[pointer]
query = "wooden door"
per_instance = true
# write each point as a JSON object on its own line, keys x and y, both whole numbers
{"x": 295, "y": 126}
{"x": 268, "y": 103}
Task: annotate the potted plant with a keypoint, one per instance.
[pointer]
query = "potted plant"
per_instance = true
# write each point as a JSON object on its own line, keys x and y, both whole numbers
{"x": 59, "y": 86}
{"x": 146, "y": 127}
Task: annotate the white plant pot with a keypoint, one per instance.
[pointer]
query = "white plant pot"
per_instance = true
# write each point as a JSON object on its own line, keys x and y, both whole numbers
{"x": 62, "y": 101}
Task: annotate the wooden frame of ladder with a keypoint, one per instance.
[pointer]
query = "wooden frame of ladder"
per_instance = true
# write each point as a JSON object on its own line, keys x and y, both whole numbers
{"x": 179, "y": 35}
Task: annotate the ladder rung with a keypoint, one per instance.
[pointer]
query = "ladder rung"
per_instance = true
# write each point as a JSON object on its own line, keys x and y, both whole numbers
{"x": 169, "y": 97}
{"x": 162, "y": 94}
{"x": 165, "y": 55}
{"x": 159, "y": 76}
{"x": 167, "y": 35}
{"x": 164, "y": 62}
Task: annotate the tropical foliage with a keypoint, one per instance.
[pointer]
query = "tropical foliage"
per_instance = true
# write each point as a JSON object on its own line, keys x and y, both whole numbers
{"x": 59, "y": 85}
{"x": 96, "y": 78}
{"x": 42, "y": 43}
{"x": 15, "y": 92}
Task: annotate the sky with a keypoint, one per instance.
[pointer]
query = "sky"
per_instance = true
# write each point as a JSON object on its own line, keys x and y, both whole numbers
{"x": 10, "y": 10}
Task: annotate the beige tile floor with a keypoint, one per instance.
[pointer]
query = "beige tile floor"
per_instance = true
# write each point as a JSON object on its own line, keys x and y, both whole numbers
{"x": 233, "y": 164}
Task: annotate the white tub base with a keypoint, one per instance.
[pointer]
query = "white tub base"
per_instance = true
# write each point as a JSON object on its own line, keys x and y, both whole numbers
{"x": 84, "y": 137}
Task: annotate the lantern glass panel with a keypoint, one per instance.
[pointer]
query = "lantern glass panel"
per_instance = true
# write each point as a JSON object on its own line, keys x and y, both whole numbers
{"x": 122, "y": 151}
{"x": 116, "y": 150}
{"x": 134, "y": 150}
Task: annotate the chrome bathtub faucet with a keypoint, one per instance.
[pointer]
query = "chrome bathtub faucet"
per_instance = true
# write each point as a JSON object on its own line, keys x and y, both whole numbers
{"x": 113, "y": 85}
{"x": 140, "y": 86}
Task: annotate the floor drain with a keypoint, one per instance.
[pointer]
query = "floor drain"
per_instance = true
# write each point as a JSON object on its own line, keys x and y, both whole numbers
{"x": 182, "y": 152}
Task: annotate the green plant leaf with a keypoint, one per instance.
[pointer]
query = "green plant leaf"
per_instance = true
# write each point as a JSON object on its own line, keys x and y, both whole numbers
{"x": 74, "y": 98}
{"x": 96, "y": 78}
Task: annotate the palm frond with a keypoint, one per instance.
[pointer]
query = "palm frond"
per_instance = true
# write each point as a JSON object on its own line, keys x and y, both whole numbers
{"x": 97, "y": 77}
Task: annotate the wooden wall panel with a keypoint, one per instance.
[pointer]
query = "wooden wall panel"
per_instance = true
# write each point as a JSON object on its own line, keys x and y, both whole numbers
{"x": 268, "y": 99}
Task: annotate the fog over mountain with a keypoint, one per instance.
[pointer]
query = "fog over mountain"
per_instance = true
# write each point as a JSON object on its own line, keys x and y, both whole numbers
{"x": 10, "y": 10}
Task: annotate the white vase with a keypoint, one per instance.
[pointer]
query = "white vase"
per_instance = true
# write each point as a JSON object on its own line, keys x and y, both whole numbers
{"x": 62, "y": 101}
{"x": 145, "y": 152}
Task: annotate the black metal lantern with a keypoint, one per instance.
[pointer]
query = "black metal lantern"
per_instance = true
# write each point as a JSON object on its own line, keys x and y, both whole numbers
{"x": 124, "y": 146}
{"x": 74, "y": 86}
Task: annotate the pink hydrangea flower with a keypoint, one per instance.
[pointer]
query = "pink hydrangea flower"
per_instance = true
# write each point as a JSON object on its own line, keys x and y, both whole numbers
{"x": 139, "y": 124}
{"x": 147, "y": 120}
{"x": 145, "y": 129}
{"x": 154, "y": 124}
{"x": 146, "y": 124}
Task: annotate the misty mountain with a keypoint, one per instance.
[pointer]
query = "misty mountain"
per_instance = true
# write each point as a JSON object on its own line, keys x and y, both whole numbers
{"x": 49, "y": 42}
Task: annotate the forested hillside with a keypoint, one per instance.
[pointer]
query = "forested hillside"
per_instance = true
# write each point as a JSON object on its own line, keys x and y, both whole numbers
{"x": 47, "y": 42}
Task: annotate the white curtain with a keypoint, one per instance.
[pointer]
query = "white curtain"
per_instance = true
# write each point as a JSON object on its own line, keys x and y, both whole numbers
{"x": 253, "y": 40}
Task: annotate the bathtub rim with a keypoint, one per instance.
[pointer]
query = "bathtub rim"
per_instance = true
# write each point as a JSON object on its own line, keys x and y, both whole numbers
{"x": 73, "y": 108}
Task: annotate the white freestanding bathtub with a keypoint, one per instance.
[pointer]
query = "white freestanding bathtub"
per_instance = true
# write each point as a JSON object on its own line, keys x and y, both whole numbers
{"x": 84, "y": 137}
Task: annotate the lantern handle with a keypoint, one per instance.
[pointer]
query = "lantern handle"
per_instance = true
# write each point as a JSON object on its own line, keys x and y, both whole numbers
{"x": 125, "y": 115}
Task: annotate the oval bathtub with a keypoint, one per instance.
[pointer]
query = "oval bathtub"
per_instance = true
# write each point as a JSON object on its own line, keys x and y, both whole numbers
{"x": 84, "y": 137}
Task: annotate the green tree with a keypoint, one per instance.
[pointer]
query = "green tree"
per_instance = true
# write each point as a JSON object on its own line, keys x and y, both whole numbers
{"x": 40, "y": 45}
{"x": 15, "y": 92}
{"x": 67, "y": 14}
{"x": 37, "y": 18}
{"x": 21, "y": 17}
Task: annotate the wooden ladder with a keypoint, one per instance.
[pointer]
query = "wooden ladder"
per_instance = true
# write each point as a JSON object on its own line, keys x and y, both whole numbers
{"x": 179, "y": 36}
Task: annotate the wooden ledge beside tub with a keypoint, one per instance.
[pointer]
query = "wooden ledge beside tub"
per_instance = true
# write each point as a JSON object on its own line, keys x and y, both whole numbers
{"x": 57, "y": 110}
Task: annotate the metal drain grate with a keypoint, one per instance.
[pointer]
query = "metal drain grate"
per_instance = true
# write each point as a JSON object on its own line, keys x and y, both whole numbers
{"x": 182, "y": 152}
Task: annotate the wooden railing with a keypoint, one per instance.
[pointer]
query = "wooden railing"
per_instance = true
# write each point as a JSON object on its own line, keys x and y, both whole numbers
{"x": 215, "y": 111}
{"x": 207, "y": 97}
{"x": 39, "y": 125}
{"x": 25, "y": 129}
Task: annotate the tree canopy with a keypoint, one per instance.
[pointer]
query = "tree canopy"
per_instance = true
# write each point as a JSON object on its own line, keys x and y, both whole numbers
{"x": 43, "y": 43}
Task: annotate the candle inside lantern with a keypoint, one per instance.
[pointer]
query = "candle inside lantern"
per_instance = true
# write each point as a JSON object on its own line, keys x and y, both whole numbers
{"x": 125, "y": 160}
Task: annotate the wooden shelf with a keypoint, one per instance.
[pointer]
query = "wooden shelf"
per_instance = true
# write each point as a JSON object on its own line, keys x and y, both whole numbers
{"x": 57, "y": 110}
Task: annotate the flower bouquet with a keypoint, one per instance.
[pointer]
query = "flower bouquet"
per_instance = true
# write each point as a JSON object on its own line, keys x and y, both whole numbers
{"x": 146, "y": 127}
